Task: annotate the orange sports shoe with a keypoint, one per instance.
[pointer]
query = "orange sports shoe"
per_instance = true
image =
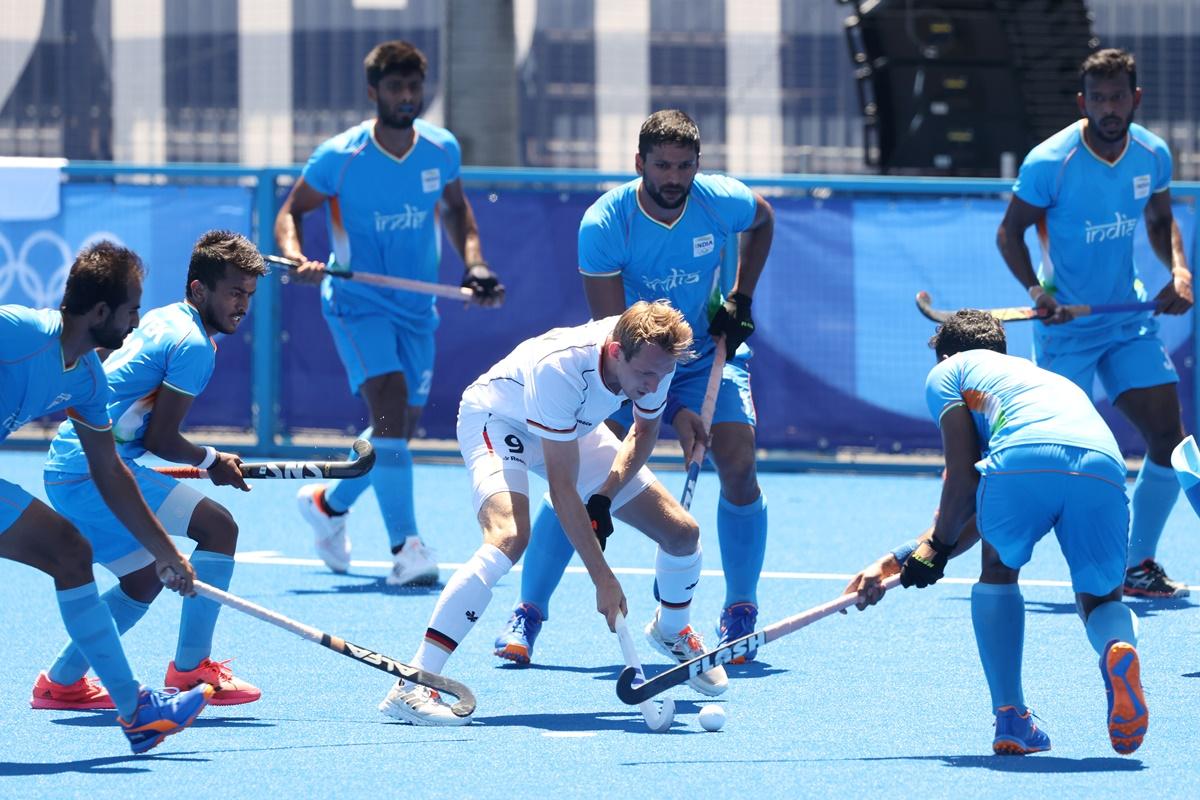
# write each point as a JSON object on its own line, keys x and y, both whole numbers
{"x": 229, "y": 691}
{"x": 1128, "y": 717}
{"x": 85, "y": 694}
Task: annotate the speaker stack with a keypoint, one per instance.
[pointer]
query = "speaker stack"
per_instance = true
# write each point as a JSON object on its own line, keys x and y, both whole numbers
{"x": 955, "y": 87}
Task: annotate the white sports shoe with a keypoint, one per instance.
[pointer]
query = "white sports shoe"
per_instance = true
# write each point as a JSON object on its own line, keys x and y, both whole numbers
{"x": 684, "y": 646}
{"x": 329, "y": 533}
{"x": 418, "y": 705}
{"x": 414, "y": 565}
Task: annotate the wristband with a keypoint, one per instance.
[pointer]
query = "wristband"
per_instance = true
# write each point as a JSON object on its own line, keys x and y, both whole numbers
{"x": 210, "y": 457}
{"x": 1035, "y": 292}
{"x": 905, "y": 550}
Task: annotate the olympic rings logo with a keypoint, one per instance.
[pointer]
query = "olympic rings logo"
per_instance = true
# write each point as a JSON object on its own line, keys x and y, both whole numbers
{"x": 42, "y": 290}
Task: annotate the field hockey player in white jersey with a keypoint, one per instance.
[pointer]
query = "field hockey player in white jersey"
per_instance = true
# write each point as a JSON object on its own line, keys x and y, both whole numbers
{"x": 541, "y": 408}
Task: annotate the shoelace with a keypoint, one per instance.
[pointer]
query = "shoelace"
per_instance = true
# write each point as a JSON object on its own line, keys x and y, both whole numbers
{"x": 691, "y": 640}
{"x": 220, "y": 668}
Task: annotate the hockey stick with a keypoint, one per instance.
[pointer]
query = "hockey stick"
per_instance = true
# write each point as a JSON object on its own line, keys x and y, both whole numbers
{"x": 466, "y": 700}
{"x": 1021, "y": 313}
{"x": 634, "y": 694}
{"x": 293, "y": 469}
{"x": 658, "y": 718}
{"x": 389, "y": 281}
{"x": 707, "y": 409}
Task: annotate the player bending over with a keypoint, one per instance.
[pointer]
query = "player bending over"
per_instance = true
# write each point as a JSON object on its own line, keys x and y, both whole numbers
{"x": 1026, "y": 452}
{"x": 541, "y": 408}
{"x": 663, "y": 236}
{"x": 47, "y": 363}
{"x": 155, "y": 375}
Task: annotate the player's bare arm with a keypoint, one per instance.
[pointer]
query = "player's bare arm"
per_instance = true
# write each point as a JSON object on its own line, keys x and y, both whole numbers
{"x": 1163, "y": 232}
{"x": 753, "y": 247}
{"x": 633, "y": 454}
{"x": 1010, "y": 240}
{"x": 463, "y": 232}
{"x": 960, "y": 443}
{"x": 289, "y": 224}
{"x": 562, "y": 470}
{"x": 868, "y": 583}
{"x": 163, "y": 438}
{"x": 605, "y": 295}
{"x": 120, "y": 492}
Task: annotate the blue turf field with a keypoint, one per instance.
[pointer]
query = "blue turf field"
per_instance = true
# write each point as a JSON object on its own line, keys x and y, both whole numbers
{"x": 892, "y": 700}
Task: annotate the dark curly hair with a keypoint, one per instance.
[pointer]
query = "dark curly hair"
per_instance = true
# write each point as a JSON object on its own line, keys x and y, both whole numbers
{"x": 968, "y": 329}
{"x": 1109, "y": 63}
{"x": 395, "y": 56}
{"x": 102, "y": 273}
{"x": 214, "y": 250}
{"x": 669, "y": 126}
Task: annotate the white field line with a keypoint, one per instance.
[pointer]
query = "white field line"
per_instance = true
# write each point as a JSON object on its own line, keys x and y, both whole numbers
{"x": 274, "y": 558}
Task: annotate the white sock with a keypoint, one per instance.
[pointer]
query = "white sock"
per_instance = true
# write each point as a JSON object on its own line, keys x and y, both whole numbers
{"x": 460, "y": 606}
{"x": 677, "y": 577}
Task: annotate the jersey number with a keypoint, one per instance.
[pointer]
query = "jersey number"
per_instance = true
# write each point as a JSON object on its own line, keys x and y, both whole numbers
{"x": 514, "y": 444}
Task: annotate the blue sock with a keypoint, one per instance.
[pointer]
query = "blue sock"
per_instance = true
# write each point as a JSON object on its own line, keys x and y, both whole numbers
{"x": 341, "y": 493}
{"x": 742, "y": 531}
{"x": 1112, "y": 620}
{"x": 92, "y": 629}
{"x": 546, "y": 559}
{"x": 71, "y": 664}
{"x": 1154, "y": 495}
{"x": 199, "y": 615}
{"x": 393, "y": 481}
{"x": 998, "y": 615}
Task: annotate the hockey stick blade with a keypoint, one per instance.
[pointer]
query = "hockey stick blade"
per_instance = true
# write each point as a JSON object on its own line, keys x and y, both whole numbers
{"x": 464, "y": 707}
{"x": 632, "y": 693}
{"x": 290, "y": 470}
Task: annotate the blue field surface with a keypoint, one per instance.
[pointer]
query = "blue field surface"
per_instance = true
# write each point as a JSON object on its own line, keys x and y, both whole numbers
{"x": 890, "y": 701}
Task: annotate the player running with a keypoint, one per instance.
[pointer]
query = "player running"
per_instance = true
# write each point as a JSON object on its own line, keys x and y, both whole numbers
{"x": 541, "y": 408}
{"x": 1085, "y": 188}
{"x": 1025, "y": 452}
{"x": 155, "y": 376}
{"x": 663, "y": 236}
{"x": 47, "y": 363}
{"x": 382, "y": 184}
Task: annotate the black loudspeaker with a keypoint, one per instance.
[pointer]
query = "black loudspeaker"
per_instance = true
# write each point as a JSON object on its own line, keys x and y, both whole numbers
{"x": 949, "y": 86}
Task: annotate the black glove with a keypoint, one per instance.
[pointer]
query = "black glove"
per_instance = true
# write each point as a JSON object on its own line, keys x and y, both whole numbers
{"x": 597, "y": 508}
{"x": 920, "y": 572}
{"x": 487, "y": 287}
{"x": 733, "y": 320}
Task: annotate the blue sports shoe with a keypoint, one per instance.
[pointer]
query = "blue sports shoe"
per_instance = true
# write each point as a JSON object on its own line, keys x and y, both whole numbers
{"x": 162, "y": 712}
{"x": 737, "y": 620}
{"x": 1016, "y": 735}
{"x": 516, "y": 643}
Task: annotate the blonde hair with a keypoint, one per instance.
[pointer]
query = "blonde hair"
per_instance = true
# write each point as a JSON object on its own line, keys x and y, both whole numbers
{"x": 654, "y": 323}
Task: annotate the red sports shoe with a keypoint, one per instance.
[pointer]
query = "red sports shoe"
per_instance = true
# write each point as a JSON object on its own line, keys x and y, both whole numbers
{"x": 85, "y": 694}
{"x": 229, "y": 691}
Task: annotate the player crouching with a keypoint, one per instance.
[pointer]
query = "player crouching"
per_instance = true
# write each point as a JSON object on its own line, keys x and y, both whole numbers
{"x": 541, "y": 409}
{"x": 154, "y": 377}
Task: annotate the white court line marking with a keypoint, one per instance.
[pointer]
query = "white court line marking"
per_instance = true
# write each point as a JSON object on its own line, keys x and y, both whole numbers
{"x": 273, "y": 558}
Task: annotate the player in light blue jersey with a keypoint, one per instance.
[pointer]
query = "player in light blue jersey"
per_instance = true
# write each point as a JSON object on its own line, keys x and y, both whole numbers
{"x": 663, "y": 236}
{"x": 383, "y": 184}
{"x": 154, "y": 378}
{"x": 48, "y": 363}
{"x": 1026, "y": 452}
{"x": 1085, "y": 188}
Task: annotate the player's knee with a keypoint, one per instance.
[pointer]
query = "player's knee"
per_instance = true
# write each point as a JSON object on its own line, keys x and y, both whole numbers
{"x": 684, "y": 536}
{"x": 70, "y": 562}
{"x": 508, "y": 538}
{"x": 215, "y": 529}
